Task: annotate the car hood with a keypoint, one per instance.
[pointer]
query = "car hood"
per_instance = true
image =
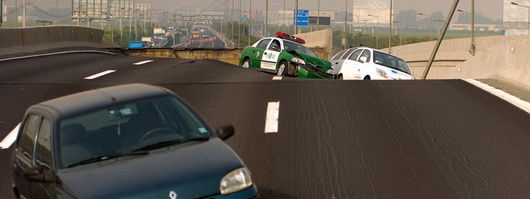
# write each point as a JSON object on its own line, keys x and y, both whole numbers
{"x": 396, "y": 74}
{"x": 191, "y": 171}
{"x": 321, "y": 64}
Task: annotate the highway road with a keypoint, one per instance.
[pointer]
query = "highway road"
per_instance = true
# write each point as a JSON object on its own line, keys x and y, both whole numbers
{"x": 335, "y": 139}
{"x": 211, "y": 41}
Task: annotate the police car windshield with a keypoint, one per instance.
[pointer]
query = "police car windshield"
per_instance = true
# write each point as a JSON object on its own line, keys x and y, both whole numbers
{"x": 291, "y": 46}
{"x": 391, "y": 62}
{"x": 123, "y": 128}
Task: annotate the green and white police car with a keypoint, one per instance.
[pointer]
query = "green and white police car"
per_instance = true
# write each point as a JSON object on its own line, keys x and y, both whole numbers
{"x": 286, "y": 56}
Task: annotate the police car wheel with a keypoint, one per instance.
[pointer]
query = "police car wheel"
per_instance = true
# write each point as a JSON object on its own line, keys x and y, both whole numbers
{"x": 282, "y": 68}
{"x": 246, "y": 64}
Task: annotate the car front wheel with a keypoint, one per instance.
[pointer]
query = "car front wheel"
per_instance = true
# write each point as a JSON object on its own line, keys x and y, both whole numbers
{"x": 282, "y": 68}
{"x": 246, "y": 64}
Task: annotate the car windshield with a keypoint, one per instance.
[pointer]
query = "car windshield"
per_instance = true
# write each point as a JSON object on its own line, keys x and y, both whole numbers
{"x": 290, "y": 46}
{"x": 128, "y": 127}
{"x": 391, "y": 62}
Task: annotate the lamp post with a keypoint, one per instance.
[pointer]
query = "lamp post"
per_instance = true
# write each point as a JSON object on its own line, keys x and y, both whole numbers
{"x": 390, "y": 29}
{"x": 425, "y": 33}
{"x": 472, "y": 48}
{"x": 377, "y": 24}
{"x": 344, "y": 40}
{"x": 527, "y": 7}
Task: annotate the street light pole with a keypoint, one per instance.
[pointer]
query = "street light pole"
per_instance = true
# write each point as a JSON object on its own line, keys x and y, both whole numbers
{"x": 528, "y": 22}
{"x": 249, "y": 21}
{"x": 390, "y": 29}
{"x": 344, "y": 41}
{"x": 24, "y": 13}
{"x": 295, "y": 17}
{"x": 318, "y": 15}
{"x": 266, "y": 17}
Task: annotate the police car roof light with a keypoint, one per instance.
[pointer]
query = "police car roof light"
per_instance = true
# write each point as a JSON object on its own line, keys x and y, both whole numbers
{"x": 290, "y": 37}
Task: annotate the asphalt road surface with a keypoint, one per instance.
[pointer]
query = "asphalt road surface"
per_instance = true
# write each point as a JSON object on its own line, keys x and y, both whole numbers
{"x": 336, "y": 139}
{"x": 210, "y": 41}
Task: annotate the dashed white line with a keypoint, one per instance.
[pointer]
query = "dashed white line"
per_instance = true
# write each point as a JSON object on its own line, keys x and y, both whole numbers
{"x": 143, "y": 62}
{"x": 94, "y": 76}
{"x": 524, "y": 105}
{"x": 271, "y": 121}
{"x": 277, "y": 78}
{"x": 10, "y": 138}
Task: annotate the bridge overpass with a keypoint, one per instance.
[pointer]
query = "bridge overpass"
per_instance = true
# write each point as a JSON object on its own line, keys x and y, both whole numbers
{"x": 335, "y": 139}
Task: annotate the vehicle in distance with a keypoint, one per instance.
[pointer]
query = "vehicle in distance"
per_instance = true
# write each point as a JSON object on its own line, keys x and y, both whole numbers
{"x": 128, "y": 141}
{"x": 285, "y": 55}
{"x": 366, "y": 63}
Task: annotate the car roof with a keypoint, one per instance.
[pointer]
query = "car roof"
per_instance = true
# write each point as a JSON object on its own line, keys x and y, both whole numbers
{"x": 102, "y": 97}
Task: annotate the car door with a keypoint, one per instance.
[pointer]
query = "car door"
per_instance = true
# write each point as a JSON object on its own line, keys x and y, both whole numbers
{"x": 257, "y": 53}
{"x": 350, "y": 66}
{"x": 335, "y": 60}
{"x": 365, "y": 67}
{"x": 43, "y": 158}
{"x": 23, "y": 154}
{"x": 271, "y": 54}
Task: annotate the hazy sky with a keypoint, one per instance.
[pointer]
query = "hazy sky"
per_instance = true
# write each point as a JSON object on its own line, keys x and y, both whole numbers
{"x": 490, "y": 8}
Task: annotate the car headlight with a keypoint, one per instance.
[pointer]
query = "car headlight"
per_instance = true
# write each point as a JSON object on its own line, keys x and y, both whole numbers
{"x": 331, "y": 71}
{"x": 298, "y": 61}
{"x": 235, "y": 181}
{"x": 381, "y": 73}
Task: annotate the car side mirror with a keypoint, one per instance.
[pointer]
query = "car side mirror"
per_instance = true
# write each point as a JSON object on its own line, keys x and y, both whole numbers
{"x": 225, "y": 132}
{"x": 38, "y": 174}
{"x": 363, "y": 60}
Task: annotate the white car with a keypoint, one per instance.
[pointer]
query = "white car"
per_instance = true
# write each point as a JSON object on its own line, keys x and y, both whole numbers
{"x": 369, "y": 64}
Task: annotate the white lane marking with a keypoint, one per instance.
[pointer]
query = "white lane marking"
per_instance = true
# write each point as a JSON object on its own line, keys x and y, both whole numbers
{"x": 10, "y": 138}
{"x": 56, "y": 53}
{"x": 271, "y": 121}
{"x": 99, "y": 74}
{"x": 143, "y": 62}
{"x": 524, "y": 105}
{"x": 276, "y": 78}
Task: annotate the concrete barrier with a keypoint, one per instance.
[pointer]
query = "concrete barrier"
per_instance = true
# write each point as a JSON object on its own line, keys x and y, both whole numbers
{"x": 230, "y": 56}
{"x": 33, "y": 39}
{"x": 319, "y": 41}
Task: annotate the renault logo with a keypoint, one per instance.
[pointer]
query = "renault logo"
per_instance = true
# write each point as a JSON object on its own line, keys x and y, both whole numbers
{"x": 172, "y": 195}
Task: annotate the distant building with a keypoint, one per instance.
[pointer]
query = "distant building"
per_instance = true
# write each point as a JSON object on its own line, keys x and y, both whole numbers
{"x": 515, "y": 18}
{"x": 373, "y": 12}
{"x": 478, "y": 27}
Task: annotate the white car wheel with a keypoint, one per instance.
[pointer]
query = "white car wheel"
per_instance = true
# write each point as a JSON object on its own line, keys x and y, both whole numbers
{"x": 281, "y": 69}
{"x": 246, "y": 64}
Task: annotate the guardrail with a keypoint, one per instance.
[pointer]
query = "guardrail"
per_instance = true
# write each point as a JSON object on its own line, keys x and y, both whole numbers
{"x": 33, "y": 39}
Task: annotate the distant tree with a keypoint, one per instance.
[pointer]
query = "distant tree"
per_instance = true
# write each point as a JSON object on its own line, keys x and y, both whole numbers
{"x": 408, "y": 18}
{"x": 465, "y": 17}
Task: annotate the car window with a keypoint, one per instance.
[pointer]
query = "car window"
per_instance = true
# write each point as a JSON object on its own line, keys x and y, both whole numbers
{"x": 291, "y": 46}
{"x": 275, "y": 45}
{"x": 338, "y": 55}
{"x": 26, "y": 142}
{"x": 43, "y": 154}
{"x": 391, "y": 62}
{"x": 263, "y": 44}
{"x": 355, "y": 55}
{"x": 126, "y": 127}
{"x": 347, "y": 54}
{"x": 366, "y": 53}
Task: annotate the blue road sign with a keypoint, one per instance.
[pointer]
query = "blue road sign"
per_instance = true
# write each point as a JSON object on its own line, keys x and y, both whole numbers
{"x": 302, "y": 18}
{"x": 136, "y": 44}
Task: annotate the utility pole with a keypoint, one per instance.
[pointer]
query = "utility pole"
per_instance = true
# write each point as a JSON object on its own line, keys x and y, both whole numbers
{"x": 232, "y": 19}
{"x": 24, "y": 13}
{"x": 472, "y": 49}
{"x": 295, "y": 17}
{"x": 344, "y": 41}
{"x": 239, "y": 26}
{"x": 318, "y": 15}
{"x": 439, "y": 42}
{"x": 250, "y": 22}
{"x": 390, "y": 29}
{"x": 266, "y": 17}
{"x": 284, "y": 25}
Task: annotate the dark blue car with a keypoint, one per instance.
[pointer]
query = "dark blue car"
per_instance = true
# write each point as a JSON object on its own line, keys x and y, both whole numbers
{"x": 129, "y": 141}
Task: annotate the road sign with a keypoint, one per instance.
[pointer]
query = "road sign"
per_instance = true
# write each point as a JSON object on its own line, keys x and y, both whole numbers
{"x": 302, "y": 17}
